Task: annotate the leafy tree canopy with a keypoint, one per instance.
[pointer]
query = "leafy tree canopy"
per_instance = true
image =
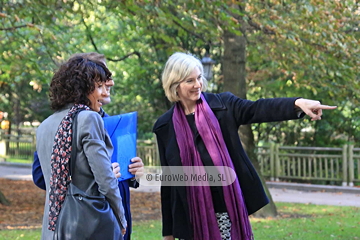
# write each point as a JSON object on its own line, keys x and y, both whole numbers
{"x": 306, "y": 48}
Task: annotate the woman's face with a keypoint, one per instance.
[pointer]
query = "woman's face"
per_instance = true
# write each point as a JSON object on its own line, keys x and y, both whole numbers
{"x": 106, "y": 95}
{"x": 96, "y": 97}
{"x": 189, "y": 90}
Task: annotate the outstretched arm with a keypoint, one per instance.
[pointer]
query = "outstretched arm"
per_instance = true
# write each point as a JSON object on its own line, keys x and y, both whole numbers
{"x": 312, "y": 108}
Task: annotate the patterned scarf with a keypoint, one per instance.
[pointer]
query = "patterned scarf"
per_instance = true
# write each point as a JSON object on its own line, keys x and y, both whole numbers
{"x": 59, "y": 178}
{"x": 202, "y": 213}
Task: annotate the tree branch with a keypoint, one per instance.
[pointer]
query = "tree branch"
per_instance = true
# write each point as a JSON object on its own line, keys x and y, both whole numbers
{"x": 88, "y": 33}
{"x": 47, "y": 49}
{"x": 13, "y": 28}
{"x": 175, "y": 13}
{"x": 187, "y": 30}
{"x": 257, "y": 27}
{"x": 124, "y": 57}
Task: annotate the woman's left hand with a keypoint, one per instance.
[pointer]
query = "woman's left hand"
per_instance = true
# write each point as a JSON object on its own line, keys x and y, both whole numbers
{"x": 116, "y": 169}
{"x": 137, "y": 167}
{"x": 123, "y": 231}
{"x": 312, "y": 108}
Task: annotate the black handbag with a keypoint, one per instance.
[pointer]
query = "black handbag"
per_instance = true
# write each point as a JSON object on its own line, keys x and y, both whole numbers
{"x": 83, "y": 216}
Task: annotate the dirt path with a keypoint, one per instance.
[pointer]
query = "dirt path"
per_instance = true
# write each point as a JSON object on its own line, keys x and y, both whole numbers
{"x": 27, "y": 203}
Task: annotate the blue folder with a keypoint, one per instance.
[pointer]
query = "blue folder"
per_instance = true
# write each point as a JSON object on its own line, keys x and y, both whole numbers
{"x": 122, "y": 131}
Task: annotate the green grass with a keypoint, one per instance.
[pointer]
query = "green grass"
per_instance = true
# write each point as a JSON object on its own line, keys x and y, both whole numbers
{"x": 15, "y": 159}
{"x": 28, "y": 234}
{"x": 19, "y": 160}
{"x": 308, "y": 221}
{"x": 146, "y": 230}
{"x": 297, "y": 222}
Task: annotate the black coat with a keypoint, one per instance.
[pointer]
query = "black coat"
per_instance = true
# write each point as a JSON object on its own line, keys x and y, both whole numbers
{"x": 231, "y": 112}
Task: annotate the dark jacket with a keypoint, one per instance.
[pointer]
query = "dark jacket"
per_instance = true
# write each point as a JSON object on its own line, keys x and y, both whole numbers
{"x": 231, "y": 112}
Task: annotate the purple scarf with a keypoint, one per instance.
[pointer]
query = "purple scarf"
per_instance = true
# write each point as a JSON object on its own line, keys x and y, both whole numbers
{"x": 59, "y": 178}
{"x": 202, "y": 213}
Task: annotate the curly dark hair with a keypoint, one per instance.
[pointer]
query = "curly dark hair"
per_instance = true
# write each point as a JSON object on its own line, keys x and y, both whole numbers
{"x": 75, "y": 80}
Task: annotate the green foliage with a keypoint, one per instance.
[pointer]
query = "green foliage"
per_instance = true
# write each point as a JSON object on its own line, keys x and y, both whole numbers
{"x": 309, "y": 50}
{"x": 306, "y": 48}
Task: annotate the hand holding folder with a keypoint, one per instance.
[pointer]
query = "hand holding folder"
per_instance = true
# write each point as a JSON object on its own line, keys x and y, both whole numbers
{"x": 122, "y": 131}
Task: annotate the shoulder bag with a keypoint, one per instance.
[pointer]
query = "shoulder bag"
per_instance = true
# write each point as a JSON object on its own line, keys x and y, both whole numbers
{"x": 83, "y": 216}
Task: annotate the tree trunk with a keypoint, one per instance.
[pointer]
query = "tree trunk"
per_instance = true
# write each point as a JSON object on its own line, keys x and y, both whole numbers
{"x": 248, "y": 142}
{"x": 234, "y": 71}
{"x": 3, "y": 200}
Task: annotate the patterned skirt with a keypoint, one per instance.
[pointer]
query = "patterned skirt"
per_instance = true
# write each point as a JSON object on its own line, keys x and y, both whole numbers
{"x": 224, "y": 223}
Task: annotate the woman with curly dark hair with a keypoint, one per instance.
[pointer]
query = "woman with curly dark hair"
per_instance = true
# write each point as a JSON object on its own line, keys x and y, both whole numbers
{"x": 77, "y": 88}
{"x": 75, "y": 80}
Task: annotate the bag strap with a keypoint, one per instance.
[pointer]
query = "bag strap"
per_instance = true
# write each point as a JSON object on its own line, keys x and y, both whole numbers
{"x": 73, "y": 143}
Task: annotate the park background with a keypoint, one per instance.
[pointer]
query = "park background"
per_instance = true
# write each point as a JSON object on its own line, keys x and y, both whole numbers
{"x": 259, "y": 49}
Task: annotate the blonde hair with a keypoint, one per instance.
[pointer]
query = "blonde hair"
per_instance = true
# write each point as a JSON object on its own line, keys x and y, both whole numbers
{"x": 177, "y": 68}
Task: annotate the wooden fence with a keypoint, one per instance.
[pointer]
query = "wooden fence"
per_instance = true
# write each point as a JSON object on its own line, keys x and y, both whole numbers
{"x": 17, "y": 146}
{"x": 322, "y": 165}
{"x": 335, "y": 165}
{"x": 23, "y": 147}
{"x": 148, "y": 152}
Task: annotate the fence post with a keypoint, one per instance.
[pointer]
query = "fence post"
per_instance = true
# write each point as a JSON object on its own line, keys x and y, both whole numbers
{"x": 34, "y": 141}
{"x": 351, "y": 165}
{"x": 272, "y": 174}
{"x": 3, "y": 145}
{"x": 277, "y": 162}
{"x": 345, "y": 168}
{"x": 157, "y": 155}
{"x": 33, "y": 145}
